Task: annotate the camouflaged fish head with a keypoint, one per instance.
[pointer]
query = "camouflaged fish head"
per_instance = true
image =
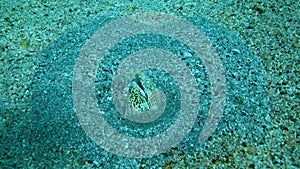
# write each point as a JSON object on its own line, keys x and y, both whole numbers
{"x": 141, "y": 91}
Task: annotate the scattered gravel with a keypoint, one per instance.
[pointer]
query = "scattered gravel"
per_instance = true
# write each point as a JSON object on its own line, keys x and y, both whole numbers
{"x": 39, "y": 131}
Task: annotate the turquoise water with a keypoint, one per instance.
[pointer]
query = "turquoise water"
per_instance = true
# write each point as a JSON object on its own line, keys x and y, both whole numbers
{"x": 52, "y": 131}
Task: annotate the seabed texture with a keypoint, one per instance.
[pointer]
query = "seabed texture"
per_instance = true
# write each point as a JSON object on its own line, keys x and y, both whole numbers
{"x": 258, "y": 43}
